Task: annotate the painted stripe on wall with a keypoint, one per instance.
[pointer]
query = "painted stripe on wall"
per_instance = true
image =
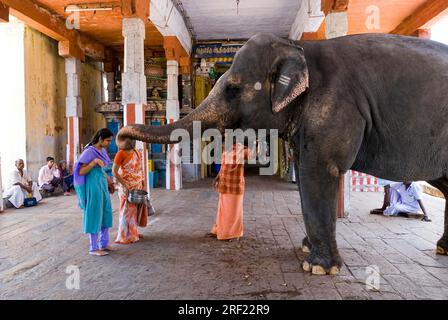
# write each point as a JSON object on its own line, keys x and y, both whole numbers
{"x": 129, "y": 114}
{"x": 172, "y": 166}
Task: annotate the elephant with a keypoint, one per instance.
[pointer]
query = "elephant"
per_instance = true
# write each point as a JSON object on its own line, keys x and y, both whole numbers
{"x": 375, "y": 103}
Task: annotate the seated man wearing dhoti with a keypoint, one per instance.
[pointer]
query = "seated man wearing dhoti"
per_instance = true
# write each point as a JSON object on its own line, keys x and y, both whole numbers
{"x": 19, "y": 186}
{"x": 405, "y": 198}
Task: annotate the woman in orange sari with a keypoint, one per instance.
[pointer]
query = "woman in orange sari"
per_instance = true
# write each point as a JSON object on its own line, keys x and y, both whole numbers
{"x": 230, "y": 185}
{"x": 127, "y": 169}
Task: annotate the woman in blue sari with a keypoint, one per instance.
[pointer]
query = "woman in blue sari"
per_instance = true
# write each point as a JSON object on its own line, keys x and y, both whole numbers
{"x": 92, "y": 188}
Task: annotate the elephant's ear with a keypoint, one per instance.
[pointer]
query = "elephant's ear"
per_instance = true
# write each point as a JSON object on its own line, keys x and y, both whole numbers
{"x": 289, "y": 76}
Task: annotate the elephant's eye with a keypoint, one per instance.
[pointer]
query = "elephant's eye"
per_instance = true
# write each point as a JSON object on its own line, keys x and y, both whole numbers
{"x": 232, "y": 91}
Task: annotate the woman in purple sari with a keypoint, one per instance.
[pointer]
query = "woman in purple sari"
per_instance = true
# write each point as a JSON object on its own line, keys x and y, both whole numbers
{"x": 92, "y": 188}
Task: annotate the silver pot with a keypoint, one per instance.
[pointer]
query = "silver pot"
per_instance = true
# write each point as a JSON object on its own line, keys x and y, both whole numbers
{"x": 138, "y": 196}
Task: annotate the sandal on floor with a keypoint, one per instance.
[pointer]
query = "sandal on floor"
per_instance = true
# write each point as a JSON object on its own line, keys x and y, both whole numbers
{"x": 426, "y": 219}
{"x": 99, "y": 253}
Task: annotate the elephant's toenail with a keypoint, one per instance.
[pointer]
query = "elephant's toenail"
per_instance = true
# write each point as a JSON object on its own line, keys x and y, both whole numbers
{"x": 334, "y": 271}
{"x": 318, "y": 270}
{"x": 306, "y": 266}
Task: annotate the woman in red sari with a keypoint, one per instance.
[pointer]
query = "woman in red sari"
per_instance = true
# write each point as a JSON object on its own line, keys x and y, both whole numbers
{"x": 230, "y": 185}
{"x": 128, "y": 171}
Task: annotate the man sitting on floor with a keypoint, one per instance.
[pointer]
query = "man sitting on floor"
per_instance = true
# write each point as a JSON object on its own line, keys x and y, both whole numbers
{"x": 49, "y": 177}
{"x": 403, "y": 198}
{"x": 20, "y": 186}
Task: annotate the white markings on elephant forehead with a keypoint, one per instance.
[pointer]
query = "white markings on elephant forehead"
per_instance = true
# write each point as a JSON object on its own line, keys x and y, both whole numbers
{"x": 284, "y": 80}
{"x": 257, "y": 86}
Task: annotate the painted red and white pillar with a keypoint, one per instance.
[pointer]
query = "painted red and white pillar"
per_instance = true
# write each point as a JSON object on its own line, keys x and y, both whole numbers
{"x": 134, "y": 81}
{"x": 173, "y": 163}
{"x": 73, "y": 110}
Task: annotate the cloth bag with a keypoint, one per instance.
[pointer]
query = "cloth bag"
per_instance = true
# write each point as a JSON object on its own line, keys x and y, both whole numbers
{"x": 30, "y": 202}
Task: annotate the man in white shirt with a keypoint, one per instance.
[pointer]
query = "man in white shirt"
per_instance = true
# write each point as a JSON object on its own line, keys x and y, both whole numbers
{"x": 406, "y": 197}
{"x": 20, "y": 186}
{"x": 49, "y": 177}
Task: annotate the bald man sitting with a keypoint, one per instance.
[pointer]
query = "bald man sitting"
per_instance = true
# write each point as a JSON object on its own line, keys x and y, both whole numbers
{"x": 20, "y": 186}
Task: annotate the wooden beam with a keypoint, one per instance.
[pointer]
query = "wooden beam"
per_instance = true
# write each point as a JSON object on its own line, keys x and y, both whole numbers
{"x": 4, "y": 13}
{"x": 54, "y": 27}
{"x": 93, "y": 49}
{"x": 135, "y": 8}
{"x": 173, "y": 48}
{"x": 328, "y": 6}
{"x": 67, "y": 49}
{"x": 185, "y": 65}
{"x": 425, "y": 13}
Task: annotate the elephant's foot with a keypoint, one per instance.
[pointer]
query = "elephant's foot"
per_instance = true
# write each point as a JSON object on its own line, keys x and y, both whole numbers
{"x": 306, "y": 245}
{"x": 320, "y": 262}
{"x": 442, "y": 247}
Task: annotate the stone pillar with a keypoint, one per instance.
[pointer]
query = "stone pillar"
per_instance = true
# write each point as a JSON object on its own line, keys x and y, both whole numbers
{"x": 173, "y": 165}
{"x": 73, "y": 110}
{"x": 190, "y": 171}
{"x": 134, "y": 82}
{"x": 336, "y": 25}
{"x": 110, "y": 77}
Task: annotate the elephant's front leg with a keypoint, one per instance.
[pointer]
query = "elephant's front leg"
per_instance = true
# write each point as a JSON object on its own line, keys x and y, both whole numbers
{"x": 319, "y": 186}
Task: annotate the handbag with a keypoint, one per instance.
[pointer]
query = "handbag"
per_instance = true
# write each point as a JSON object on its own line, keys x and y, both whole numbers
{"x": 30, "y": 202}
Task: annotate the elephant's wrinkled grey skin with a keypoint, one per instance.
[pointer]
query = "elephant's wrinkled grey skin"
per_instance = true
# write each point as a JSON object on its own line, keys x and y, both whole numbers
{"x": 374, "y": 103}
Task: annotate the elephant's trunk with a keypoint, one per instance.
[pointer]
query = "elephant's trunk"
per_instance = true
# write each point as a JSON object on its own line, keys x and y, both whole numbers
{"x": 208, "y": 113}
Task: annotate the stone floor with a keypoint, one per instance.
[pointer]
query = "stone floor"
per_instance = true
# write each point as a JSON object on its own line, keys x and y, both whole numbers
{"x": 175, "y": 261}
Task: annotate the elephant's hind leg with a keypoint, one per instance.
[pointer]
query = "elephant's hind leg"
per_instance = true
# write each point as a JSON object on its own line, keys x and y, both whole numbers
{"x": 442, "y": 185}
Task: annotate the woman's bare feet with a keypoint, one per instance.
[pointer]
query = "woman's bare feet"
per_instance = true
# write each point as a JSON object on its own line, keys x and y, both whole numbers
{"x": 99, "y": 253}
